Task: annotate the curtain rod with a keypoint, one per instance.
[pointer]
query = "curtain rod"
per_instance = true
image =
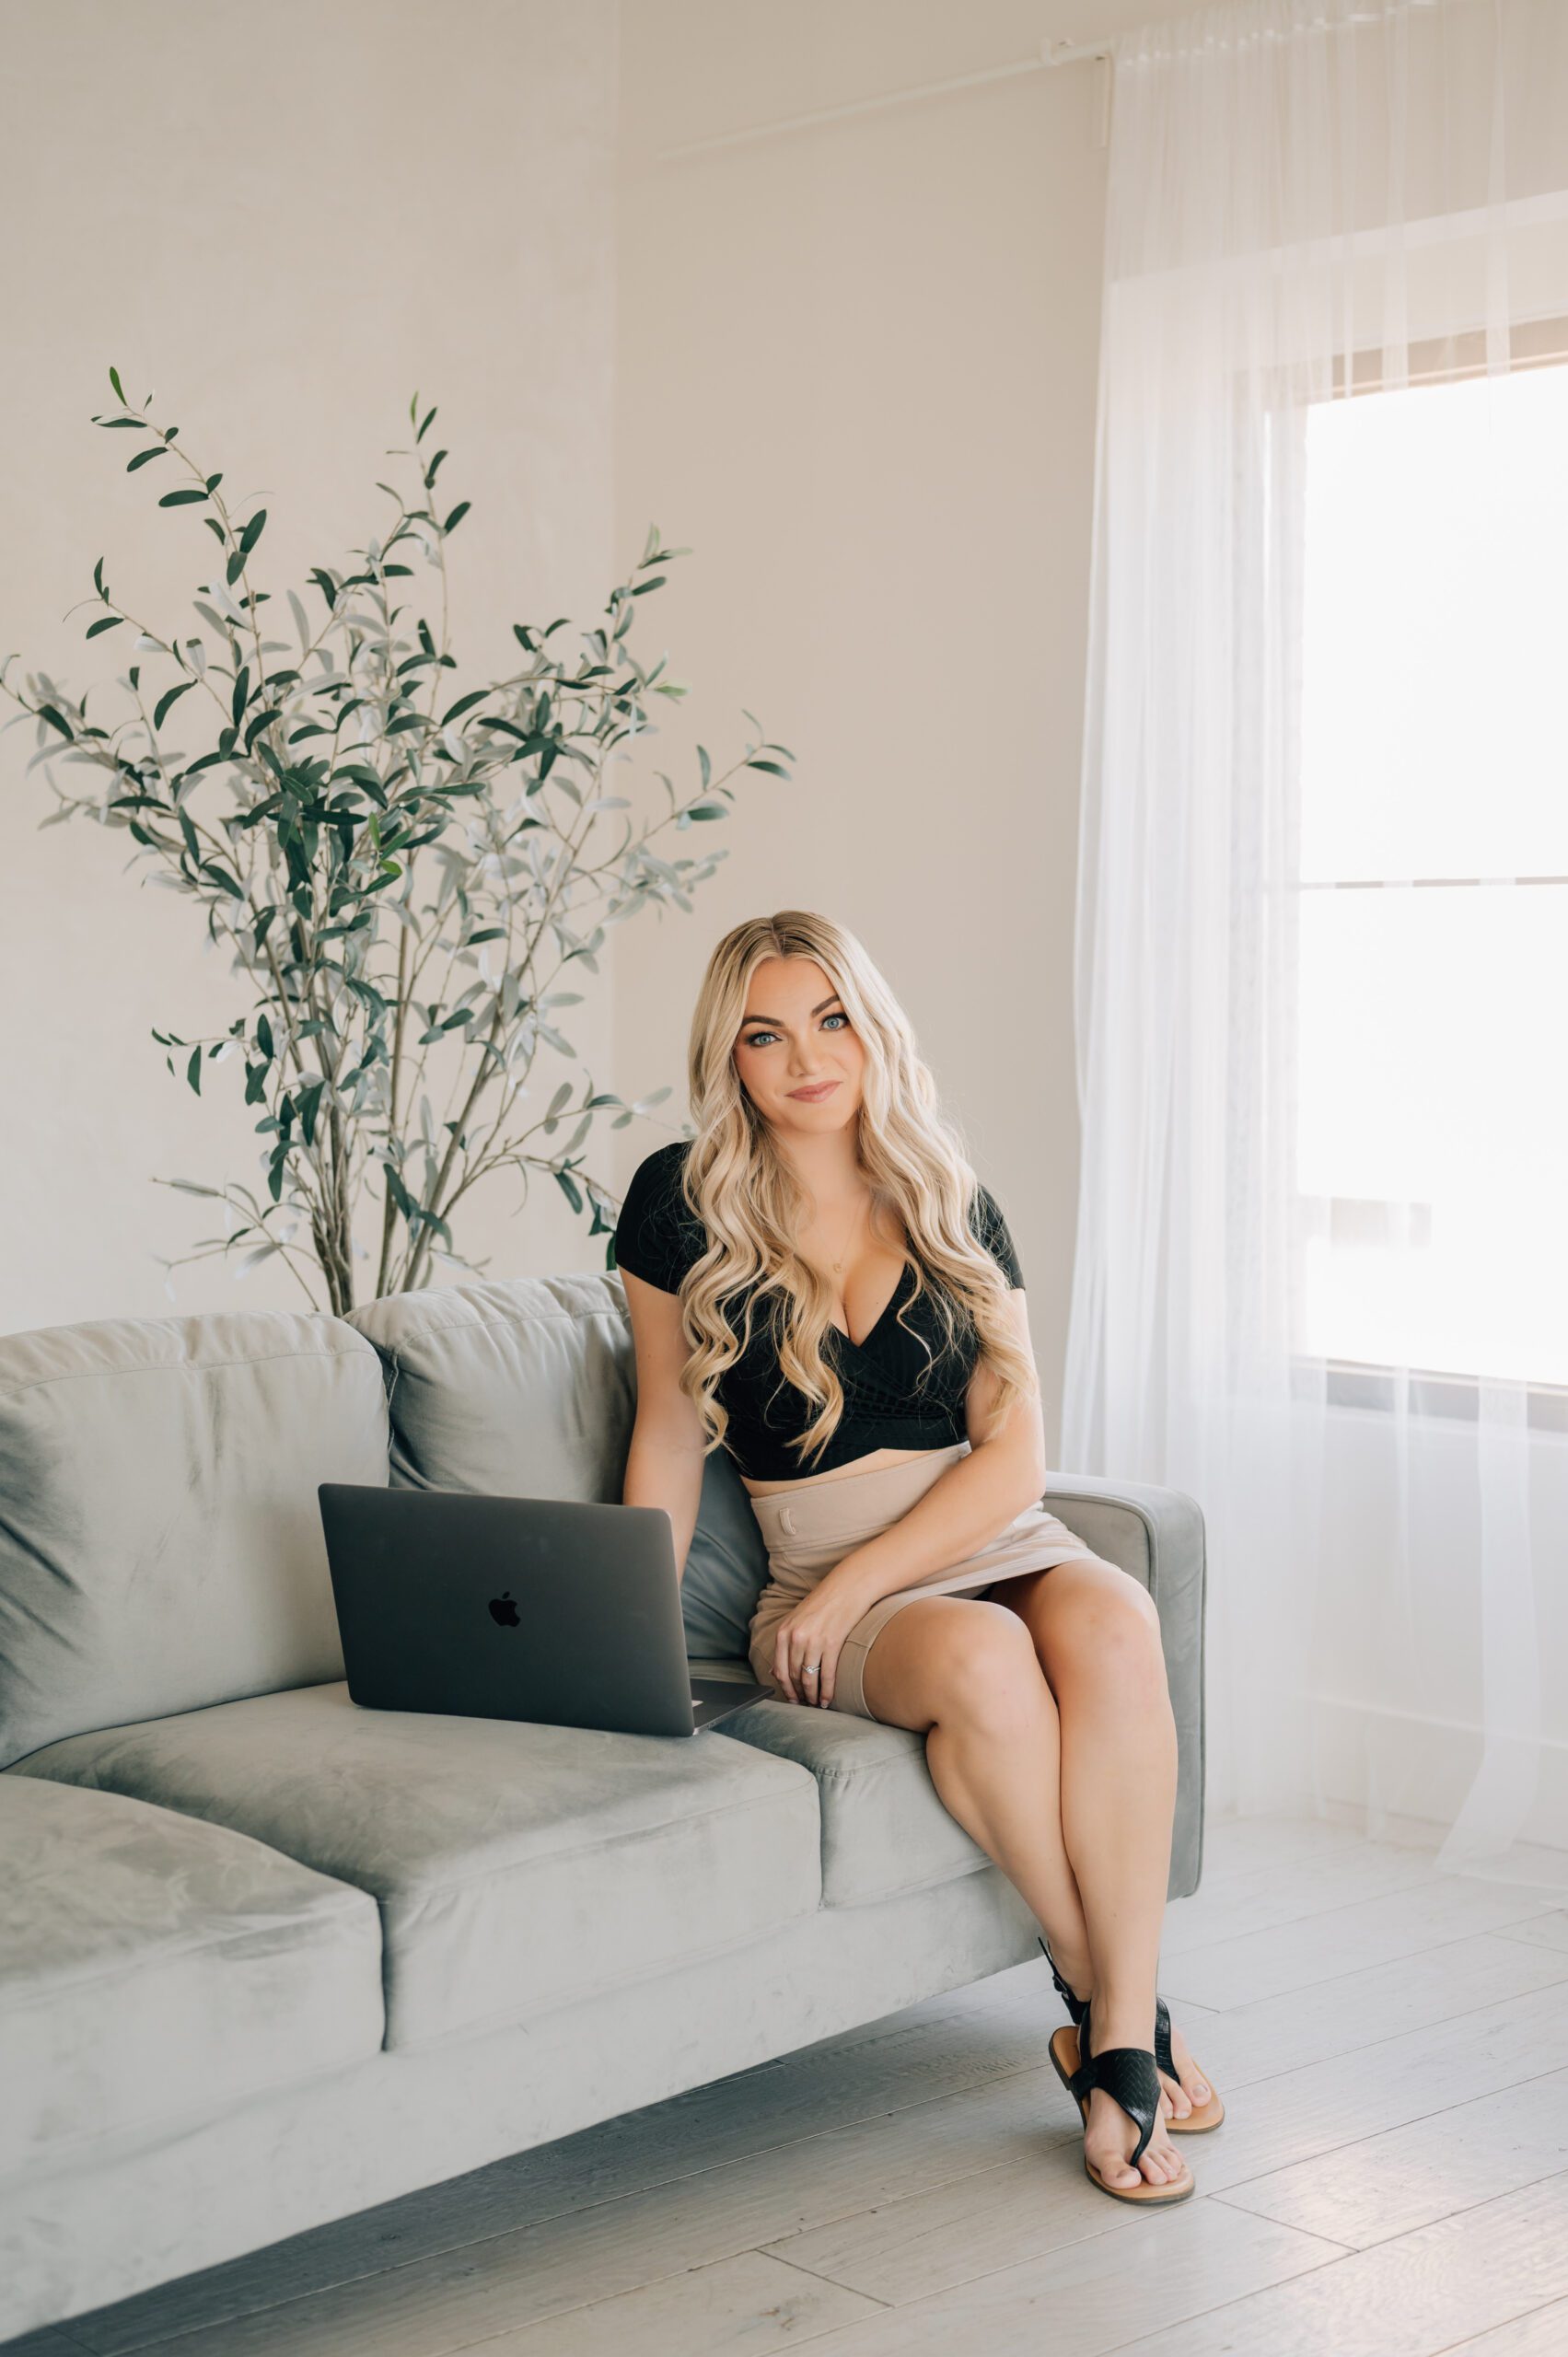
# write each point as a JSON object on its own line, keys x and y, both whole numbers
{"x": 1050, "y": 53}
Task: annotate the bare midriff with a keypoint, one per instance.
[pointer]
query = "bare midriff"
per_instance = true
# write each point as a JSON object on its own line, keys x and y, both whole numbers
{"x": 867, "y": 1464}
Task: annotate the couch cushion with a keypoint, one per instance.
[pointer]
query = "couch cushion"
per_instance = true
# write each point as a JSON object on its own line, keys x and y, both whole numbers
{"x": 160, "y": 1543}
{"x": 517, "y": 1864}
{"x": 884, "y": 1827}
{"x": 528, "y": 1387}
{"x": 152, "y": 1968}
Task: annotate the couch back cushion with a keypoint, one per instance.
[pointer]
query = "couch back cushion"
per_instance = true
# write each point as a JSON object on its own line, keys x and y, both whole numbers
{"x": 160, "y": 1535}
{"x": 527, "y": 1386}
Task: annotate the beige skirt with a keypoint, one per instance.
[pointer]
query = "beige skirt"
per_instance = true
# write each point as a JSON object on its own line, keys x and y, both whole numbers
{"x": 810, "y": 1527}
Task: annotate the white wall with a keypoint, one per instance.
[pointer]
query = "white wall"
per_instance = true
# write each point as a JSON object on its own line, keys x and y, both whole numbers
{"x": 283, "y": 220}
{"x": 853, "y": 368}
{"x": 857, "y": 370}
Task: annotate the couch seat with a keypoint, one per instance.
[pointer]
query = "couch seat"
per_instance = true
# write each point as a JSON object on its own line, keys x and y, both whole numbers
{"x": 154, "y": 1968}
{"x": 517, "y": 1865}
{"x": 885, "y": 1830}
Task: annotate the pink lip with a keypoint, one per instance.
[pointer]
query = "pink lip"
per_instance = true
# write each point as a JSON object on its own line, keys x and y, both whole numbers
{"x": 815, "y": 1096}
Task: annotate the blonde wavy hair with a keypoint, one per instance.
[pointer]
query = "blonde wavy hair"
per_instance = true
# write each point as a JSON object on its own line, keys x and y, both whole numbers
{"x": 747, "y": 1196}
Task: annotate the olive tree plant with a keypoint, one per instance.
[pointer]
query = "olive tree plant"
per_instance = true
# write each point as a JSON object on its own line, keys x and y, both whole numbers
{"x": 409, "y": 880}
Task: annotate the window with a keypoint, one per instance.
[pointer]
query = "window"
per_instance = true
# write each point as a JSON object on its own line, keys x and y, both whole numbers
{"x": 1434, "y": 901}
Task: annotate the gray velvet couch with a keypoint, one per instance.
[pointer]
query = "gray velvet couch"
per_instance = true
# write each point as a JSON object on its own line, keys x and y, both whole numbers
{"x": 266, "y": 1958}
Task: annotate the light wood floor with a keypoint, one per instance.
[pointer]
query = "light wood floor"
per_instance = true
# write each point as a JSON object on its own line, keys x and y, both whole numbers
{"x": 1391, "y": 2179}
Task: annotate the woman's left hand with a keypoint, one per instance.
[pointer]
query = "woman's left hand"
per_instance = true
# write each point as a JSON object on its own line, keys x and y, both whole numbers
{"x": 815, "y": 1631}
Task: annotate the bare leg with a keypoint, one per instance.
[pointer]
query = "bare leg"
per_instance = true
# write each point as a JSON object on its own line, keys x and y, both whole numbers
{"x": 1097, "y": 1635}
{"x": 964, "y": 1671}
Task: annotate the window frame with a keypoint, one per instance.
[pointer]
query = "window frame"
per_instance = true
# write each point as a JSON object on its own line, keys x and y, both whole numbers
{"x": 1367, "y": 1385}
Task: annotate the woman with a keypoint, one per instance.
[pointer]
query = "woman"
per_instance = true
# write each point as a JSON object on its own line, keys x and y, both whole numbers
{"x": 817, "y": 1283}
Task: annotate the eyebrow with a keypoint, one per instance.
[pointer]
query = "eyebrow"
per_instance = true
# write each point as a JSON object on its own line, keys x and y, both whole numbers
{"x": 831, "y": 1000}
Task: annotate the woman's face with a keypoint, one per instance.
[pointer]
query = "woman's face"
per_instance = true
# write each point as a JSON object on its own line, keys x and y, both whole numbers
{"x": 797, "y": 1035}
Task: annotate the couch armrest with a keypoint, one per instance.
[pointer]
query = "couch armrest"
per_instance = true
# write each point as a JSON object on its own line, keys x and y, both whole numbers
{"x": 1158, "y": 1536}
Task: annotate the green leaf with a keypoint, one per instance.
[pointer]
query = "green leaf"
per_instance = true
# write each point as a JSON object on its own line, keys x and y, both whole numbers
{"x": 456, "y": 517}
{"x": 114, "y": 380}
{"x": 464, "y": 703}
{"x": 158, "y": 450}
{"x": 241, "y": 691}
{"x": 252, "y": 533}
{"x": 181, "y": 498}
{"x": 264, "y": 1036}
{"x": 109, "y": 621}
{"x": 236, "y": 566}
{"x": 400, "y": 1195}
{"x": 772, "y": 767}
{"x": 193, "y": 1070}
{"x": 170, "y": 696}
{"x": 47, "y": 712}
{"x": 97, "y": 579}
{"x": 221, "y": 876}
{"x": 308, "y": 1101}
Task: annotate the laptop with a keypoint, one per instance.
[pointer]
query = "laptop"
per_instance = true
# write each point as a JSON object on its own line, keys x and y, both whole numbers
{"x": 541, "y": 1608}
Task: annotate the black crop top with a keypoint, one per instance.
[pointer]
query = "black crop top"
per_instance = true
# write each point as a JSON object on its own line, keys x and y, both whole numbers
{"x": 887, "y": 1403}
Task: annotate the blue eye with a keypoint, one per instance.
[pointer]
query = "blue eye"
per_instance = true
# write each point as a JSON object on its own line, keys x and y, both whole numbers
{"x": 759, "y": 1038}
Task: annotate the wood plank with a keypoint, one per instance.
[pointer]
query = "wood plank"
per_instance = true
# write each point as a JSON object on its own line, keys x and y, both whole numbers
{"x": 949, "y": 2233}
{"x": 1391, "y": 2183}
{"x": 743, "y": 2307}
{"x": 1370, "y": 2089}
{"x": 1417, "y": 2295}
{"x": 1275, "y": 1893}
{"x": 1549, "y": 1931}
{"x": 1543, "y": 2333}
{"x": 1240, "y": 1967}
{"x": 903, "y": 2251}
{"x": 1096, "y": 2293}
{"x": 1252, "y": 2043}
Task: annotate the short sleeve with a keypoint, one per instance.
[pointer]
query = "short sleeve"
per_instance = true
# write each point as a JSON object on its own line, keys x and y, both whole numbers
{"x": 657, "y": 1236}
{"x": 991, "y": 1229}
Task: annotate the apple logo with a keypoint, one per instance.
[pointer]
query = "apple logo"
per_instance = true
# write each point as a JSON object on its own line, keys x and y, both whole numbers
{"x": 503, "y": 1611}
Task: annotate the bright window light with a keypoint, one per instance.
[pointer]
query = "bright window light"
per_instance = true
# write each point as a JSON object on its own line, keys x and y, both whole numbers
{"x": 1434, "y": 987}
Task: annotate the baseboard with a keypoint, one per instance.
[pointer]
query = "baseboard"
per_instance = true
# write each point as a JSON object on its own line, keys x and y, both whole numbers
{"x": 1416, "y": 1771}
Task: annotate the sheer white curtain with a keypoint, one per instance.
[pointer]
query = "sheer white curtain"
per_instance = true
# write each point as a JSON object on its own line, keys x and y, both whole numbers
{"x": 1322, "y": 966}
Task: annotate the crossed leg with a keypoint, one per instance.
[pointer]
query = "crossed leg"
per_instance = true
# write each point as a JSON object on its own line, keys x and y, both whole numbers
{"x": 1050, "y": 1738}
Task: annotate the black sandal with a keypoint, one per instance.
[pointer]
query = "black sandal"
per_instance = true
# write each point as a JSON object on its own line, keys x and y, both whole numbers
{"x": 1202, "y": 2117}
{"x": 1076, "y": 2006}
{"x": 1130, "y": 2077}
